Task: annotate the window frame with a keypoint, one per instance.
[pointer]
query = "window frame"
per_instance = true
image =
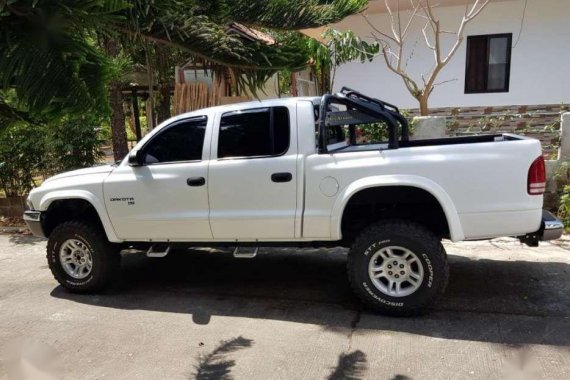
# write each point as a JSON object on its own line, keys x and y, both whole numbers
{"x": 506, "y": 88}
{"x": 169, "y": 126}
{"x": 271, "y": 120}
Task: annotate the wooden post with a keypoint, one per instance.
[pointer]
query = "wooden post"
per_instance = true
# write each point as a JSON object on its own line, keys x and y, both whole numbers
{"x": 136, "y": 114}
{"x": 294, "y": 84}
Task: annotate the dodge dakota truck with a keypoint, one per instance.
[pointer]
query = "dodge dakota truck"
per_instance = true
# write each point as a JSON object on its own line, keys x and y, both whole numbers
{"x": 298, "y": 172}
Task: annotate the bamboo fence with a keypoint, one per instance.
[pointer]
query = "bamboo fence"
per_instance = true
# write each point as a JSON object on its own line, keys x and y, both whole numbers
{"x": 193, "y": 96}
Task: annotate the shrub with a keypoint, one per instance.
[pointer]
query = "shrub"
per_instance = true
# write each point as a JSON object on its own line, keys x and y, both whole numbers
{"x": 30, "y": 152}
{"x": 564, "y": 209}
{"x": 74, "y": 143}
{"x": 22, "y": 152}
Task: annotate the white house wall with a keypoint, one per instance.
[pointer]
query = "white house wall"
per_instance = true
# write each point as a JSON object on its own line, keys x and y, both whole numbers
{"x": 540, "y": 60}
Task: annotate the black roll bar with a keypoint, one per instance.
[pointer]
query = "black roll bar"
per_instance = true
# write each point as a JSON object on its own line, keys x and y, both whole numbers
{"x": 374, "y": 107}
{"x": 394, "y": 111}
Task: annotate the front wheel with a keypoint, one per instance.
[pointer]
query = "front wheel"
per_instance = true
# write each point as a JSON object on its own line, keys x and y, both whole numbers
{"x": 397, "y": 268}
{"x": 81, "y": 258}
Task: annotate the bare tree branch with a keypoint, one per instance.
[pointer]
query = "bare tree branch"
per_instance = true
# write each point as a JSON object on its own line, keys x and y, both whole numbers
{"x": 377, "y": 30}
{"x": 445, "y": 81}
{"x": 393, "y": 45}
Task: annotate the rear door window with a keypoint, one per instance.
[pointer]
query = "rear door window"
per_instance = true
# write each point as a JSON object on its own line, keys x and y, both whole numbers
{"x": 259, "y": 132}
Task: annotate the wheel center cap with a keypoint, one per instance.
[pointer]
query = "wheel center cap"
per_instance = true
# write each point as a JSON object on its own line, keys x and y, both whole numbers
{"x": 396, "y": 269}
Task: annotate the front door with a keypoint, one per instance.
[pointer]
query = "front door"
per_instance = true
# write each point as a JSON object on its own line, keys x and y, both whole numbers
{"x": 252, "y": 175}
{"x": 167, "y": 197}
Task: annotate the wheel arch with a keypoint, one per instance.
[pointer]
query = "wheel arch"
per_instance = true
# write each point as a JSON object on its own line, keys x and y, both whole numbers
{"x": 416, "y": 182}
{"x": 52, "y": 199}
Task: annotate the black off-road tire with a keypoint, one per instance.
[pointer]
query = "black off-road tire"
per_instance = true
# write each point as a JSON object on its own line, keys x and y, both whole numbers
{"x": 105, "y": 256}
{"x": 414, "y": 237}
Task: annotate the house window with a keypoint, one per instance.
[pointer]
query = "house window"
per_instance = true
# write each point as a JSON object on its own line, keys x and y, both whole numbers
{"x": 488, "y": 63}
{"x": 261, "y": 132}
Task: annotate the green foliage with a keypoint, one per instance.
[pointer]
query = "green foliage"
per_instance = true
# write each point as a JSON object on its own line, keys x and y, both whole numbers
{"x": 48, "y": 57}
{"x": 340, "y": 48}
{"x": 346, "y": 46}
{"x": 30, "y": 151}
{"x": 285, "y": 82}
{"x": 562, "y": 178}
{"x": 21, "y": 150}
{"x": 378, "y": 132}
{"x": 49, "y": 53}
{"x": 74, "y": 143}
{"x": 564, "y": 209}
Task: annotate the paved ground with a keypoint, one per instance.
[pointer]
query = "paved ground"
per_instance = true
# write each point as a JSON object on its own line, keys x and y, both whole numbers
{"x": 287, "y": 314}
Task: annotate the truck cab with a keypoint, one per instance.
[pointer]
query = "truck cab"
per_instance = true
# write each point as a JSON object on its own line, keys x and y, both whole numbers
{"x": 224, "y": 174}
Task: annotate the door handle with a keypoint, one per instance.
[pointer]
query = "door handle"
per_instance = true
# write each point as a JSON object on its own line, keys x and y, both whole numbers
{"x": 281, "y": 177}
{"x": 196, "y": 181}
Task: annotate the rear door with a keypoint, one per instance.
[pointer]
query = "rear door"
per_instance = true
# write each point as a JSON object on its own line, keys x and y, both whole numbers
{"x": 252, "y": 174}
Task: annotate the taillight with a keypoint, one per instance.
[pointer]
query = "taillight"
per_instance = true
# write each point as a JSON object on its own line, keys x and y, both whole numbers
{"x": 537, "y": 177}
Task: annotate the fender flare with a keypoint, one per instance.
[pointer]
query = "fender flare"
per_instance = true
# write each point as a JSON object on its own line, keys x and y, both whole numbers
{"x": 453, "y": 221}
{"x": 50, "y": 197}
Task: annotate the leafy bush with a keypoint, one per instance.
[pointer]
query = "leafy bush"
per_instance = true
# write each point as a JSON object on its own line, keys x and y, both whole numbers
{"x": 22, "y": 149}
{"x": 74, "y": 143}
{"x": 30, "y": 152}
{"x": 378, "y": 132}
{"x": 564, "y": 209}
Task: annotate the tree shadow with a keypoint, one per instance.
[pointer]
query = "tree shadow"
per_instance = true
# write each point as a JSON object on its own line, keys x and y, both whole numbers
{"x": 351, "y": 366}
{"x": 215, "y": 365}
{"x": 509, "y": 302}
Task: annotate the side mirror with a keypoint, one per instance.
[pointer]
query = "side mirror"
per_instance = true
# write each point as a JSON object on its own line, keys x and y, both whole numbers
{"x": 136, "y": 158}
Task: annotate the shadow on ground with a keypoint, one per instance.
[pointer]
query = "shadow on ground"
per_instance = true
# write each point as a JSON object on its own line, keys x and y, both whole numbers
{"x": 510, "y": 302}
{"x": 25, "y": 239}
{"x": 351, "y": 366}
{"x": 217, "y": 365}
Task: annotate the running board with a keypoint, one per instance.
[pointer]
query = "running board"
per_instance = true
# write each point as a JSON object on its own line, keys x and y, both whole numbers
{"x": 152, "y": 253}
{"x": 245, "y": 255}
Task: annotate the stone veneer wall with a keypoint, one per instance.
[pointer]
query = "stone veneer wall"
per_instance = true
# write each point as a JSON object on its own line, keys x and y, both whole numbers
{"x": 539, "y": 121}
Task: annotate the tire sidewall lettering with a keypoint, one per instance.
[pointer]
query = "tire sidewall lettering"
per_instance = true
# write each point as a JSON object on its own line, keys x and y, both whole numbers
{"x": 54, "y": 257}
{"x": 374, "y": 246}
{"x": 395, "y": 302}
{"x": 380, "y": 299}
{"x": 430, "y": 269}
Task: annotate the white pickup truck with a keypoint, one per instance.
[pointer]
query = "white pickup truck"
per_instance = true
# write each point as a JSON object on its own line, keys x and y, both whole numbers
{"x": 297, "y": 172}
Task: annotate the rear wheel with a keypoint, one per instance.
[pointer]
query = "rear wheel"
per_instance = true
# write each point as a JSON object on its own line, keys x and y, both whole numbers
{"x": 81, "y": 258}
{"x": 397, "y": 268}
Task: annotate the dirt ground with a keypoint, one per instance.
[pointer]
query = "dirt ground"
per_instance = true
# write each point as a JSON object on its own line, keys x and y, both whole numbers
{"x": 287, "y": 314}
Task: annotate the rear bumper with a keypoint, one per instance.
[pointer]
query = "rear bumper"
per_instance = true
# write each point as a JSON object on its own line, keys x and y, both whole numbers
{"x": 550, "y": 229}
{"x": 34, "y": 221}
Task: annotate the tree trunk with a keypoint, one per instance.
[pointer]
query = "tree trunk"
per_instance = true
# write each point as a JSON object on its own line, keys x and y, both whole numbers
{"x": 163, "y": 109}
{"x": 424, "y": 109}
{"x": 118, "y": 131}
{"x": 293, "y": 84}
{"x": 165, "y": 79}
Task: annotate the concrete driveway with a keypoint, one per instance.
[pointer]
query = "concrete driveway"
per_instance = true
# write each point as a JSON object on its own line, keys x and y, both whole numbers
{"x": 287, "y": 314}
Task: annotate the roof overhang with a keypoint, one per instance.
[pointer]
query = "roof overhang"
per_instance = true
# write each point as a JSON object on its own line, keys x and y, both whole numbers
{"x": 379, "y": 7}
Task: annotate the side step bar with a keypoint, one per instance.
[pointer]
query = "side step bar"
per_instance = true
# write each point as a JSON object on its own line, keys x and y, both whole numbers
{"x": 157, "y": 253}
{"x": 239, "y": 254}
{"x": 161, "y": 250}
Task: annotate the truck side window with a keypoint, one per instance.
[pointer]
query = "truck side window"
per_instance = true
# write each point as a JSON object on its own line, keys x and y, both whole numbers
{"x": 260, "y": 132}
{"x": 182, "y": 141}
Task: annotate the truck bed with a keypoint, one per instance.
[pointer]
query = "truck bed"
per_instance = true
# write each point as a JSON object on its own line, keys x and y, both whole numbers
{"x": 431, "y": 142}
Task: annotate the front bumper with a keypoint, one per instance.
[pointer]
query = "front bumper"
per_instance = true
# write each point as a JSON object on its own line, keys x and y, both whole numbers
{"x": 550, "y": 229}
{"x": 33, "y": 220}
